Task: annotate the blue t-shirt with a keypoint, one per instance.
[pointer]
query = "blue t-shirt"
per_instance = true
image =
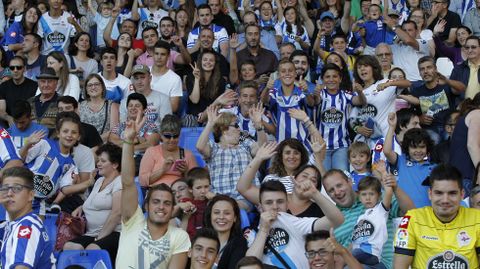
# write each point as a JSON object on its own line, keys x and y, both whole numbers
{"x": 410, "y": 177}
{"x": 19, "y": 137}
{"x": 377, "y": 32}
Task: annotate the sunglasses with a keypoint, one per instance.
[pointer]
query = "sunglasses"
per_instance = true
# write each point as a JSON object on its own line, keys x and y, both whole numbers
{"x": 170, "y": 136}
{"x": 234, "y": 125}
{"x": 16, "y": 67}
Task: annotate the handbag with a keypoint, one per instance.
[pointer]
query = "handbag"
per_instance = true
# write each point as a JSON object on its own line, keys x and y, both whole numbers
{"x": 68, "y": 228}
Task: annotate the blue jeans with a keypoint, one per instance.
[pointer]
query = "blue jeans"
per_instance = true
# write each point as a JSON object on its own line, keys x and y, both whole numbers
{"x": 336, "y": 158}
{"x": 368, "y": 260}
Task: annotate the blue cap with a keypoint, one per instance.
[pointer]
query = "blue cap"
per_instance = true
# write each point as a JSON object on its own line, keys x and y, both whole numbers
{"x": 327, "y": 14}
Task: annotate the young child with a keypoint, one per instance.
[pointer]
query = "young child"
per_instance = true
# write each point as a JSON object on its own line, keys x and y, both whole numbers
{"x": 198, "y": 180}
{"x": 102, "y": 16}
{"x": 370, "y": 231}
{"x": 285, "y": 97}
{"x": 375, "y": 31}
{"x": 414, "y": 164}
{"x": 359, "y": 157}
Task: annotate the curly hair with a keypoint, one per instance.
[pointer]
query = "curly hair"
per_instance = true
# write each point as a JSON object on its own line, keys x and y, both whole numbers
{"x": 415, "y": 137}
{"x": 278, "y": 167}
{"x": 371, "y": 61}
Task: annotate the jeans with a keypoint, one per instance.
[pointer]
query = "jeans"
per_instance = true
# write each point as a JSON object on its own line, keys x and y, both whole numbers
{"x": 336, "y": 158}
{"x": 367, "y": 260}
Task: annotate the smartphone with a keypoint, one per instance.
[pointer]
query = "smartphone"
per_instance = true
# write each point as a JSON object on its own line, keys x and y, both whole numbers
{"x": 176, "y": 163}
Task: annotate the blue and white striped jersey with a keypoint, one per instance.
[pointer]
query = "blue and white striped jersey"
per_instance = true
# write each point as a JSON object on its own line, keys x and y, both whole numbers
{"x": 53, "y": 170}
{"x": 8, "y": 151}
{"x": 149, "y": 19}
{"x": 288, "y": 127}
{"x": 219, "y": 33}
{"x": 281, "y": 30}
{"x": 26, "y": 242}
{"x": 56, "y": 32}
{"x": 334, "y": 113}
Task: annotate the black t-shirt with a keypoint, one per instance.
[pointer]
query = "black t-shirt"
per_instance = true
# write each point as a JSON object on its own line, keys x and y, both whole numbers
{"x": 90, "y": 136}
{"x": 224, "y": 65}
{"x": 11, "y": 93}
{"x": 436, "y": 102}
{"x": 204, "y": 102}
{"x": 453, "y": 21}
{"x": 313, "y": 211}
{"x": 225, "y": 21}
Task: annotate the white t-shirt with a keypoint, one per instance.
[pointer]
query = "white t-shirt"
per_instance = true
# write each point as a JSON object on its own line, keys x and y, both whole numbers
{"x": 137, "y": 249}
{"x": 169, "y": 84}
{"x": 56, "y": 32}
{"x": 149, "y": 19}
{"x": 98, "y": 206}
{"x": 83, "y": 158}
{"x": 101, "y": 23}
{"x": 379, "y": 104}
{"x": 370, "y": 231}
{"x": 287, "y": 236}
{"x": 406, "y": 57}
{"x": 117, "y": 89}
{"x": 158, "y": 105}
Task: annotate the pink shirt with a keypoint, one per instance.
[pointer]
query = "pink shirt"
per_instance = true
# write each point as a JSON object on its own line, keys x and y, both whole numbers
{"x": 147, "y": 59}
{"x": 153, "y": 160}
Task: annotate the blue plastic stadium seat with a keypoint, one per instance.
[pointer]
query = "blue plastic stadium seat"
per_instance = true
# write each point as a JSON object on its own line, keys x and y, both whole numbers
{"x": 244, "y": 220}
{"x": 87, "y": 258}
{"x": 51, "y": 226}
{"x": 140, "y": 192}
{"x": 188, "y": 140}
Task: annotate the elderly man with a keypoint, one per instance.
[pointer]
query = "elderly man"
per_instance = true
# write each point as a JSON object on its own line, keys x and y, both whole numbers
{"x": 44, "y": 105}
{"x": 384, "y": 55}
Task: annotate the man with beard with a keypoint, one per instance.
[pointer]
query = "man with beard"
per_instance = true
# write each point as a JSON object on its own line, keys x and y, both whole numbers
{"x": 150, "y": 38}
{"x": 444, "y": 235}
{"x": 147, "y": 242}
{"x": 264, "y": 59}
{"x": 436, "y": 97}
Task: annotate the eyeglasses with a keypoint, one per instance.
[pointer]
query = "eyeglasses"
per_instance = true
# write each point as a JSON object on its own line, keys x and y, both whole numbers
{"x": 16, "y": 67}
{"x": 312, "y": 253}
{"x": 384, "y": 55}
{"x": 170, "y": 136}
{"x": 95, "y": 84}
{"x": 16, "y": 188}
{"x": 470, "y": 47}
{"x": 234, "y": 125}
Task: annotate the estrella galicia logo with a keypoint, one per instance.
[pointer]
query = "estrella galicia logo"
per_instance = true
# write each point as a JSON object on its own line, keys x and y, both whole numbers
{"x": 56, "y": 38}
{"x": 363, "y": 228}
{"x": 448, "y": 259}
{"x": 369, "y": 111}
{"x": 278, "y": 239}
{"x": 332, "y": 117}
{"x": 148, "y": 23}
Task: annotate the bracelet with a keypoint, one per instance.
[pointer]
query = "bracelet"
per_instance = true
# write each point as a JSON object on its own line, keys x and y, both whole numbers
{"x": 128, "y": 142}
{"x": 261, "y": 129}
{"x": 308, "y": 125}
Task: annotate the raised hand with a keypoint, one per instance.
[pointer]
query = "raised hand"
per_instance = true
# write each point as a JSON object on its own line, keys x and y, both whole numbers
{"x": 134, "y": 126}
{"x": 439, "y": 27}
{"x": 115, "y": 11}
{"x": 266, "y": 220}
{"x": 297, "y": 114}
{"x": 357, "y": 87}
{"x": 270, "y": 83}
{"x": 306, "y": 187}
{"x": 331, "y": 244}
{"x": 381, "y": 167}
{"x": 234, "y": 40}
{"x": 318, "y": 145}
{"x": 212, "y": 114}
{"x": 392, "y": 119}
{"x": 35, "y": 137}
{"x": 131, "y": 53}
{"x": 389, "y": 181}
{"x": 226, "y": 98}
{"x": 302, "y": 83}
{"x": 256, "y": 113}
{"x": 177, "y": 40}
{"x": 196, "y": 70}
{"x": 266, "y": 151}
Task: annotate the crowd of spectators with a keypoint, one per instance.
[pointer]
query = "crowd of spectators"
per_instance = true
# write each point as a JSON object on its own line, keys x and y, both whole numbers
{"x": 318, "y": 124}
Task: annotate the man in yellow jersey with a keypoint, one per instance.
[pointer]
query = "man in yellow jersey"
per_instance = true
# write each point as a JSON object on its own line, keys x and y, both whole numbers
{"x": 444, "y": 235}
